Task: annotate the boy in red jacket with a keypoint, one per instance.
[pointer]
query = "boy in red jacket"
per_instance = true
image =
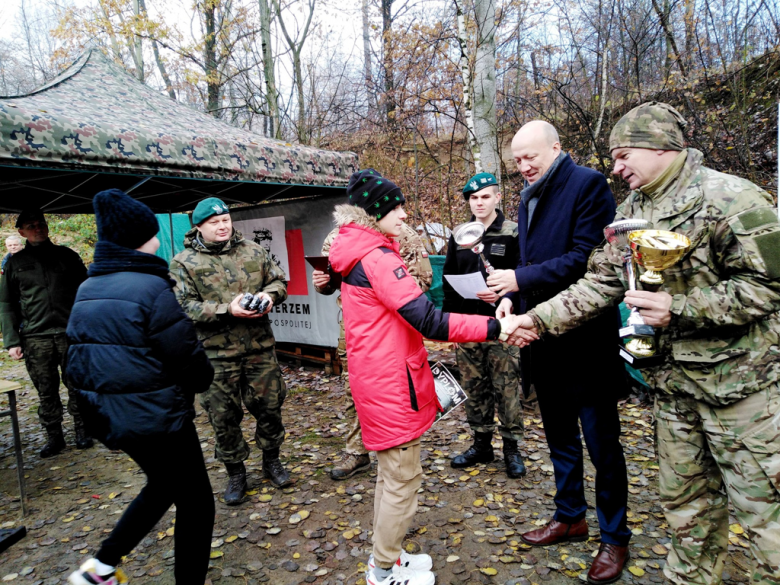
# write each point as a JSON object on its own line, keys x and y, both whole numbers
{"x": 386, "y": 316}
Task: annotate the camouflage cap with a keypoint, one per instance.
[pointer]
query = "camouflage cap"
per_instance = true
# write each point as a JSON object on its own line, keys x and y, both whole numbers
{"x": 652, "y": 125}
{"x": 208, "y": 207}
{"x": 477, "y": 183}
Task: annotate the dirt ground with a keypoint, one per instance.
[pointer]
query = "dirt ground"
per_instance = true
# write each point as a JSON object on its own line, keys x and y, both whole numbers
{"x": 318, "y": 531}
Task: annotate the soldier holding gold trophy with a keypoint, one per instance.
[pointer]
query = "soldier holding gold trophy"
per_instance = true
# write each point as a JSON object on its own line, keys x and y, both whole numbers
{"x": 717, "y": 325}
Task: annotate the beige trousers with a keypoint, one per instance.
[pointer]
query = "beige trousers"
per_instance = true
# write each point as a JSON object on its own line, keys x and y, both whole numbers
{"x": 398, "y": 478}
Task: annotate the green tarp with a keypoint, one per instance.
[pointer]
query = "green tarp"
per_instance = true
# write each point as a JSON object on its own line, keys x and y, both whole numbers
{"x": 181, "y": 225}
{"x": 436, "y": 292}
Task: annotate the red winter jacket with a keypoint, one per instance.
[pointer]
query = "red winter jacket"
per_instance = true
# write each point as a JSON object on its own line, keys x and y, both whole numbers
{"x": 385, "y": 317}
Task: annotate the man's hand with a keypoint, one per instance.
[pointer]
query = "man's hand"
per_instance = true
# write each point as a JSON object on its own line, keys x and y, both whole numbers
{"x": 488, "y": 296}
{"x": 235, "y": 309}
{"x": 505, "y": 308}
{"x": 502, "y": 282}
{"x": 270, "y": 303}
{"x": 320, "y": 279}
{"x": 520, "y": 329}
{"x": 16, "y": 353}
{"x": 653, "y": 306}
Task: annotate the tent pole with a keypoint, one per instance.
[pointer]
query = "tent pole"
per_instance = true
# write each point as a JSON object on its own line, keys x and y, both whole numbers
{"x": 170, "y": 222}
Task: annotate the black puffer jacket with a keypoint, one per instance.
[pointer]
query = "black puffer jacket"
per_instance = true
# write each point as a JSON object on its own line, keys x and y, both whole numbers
{"x": 134, "y": 355}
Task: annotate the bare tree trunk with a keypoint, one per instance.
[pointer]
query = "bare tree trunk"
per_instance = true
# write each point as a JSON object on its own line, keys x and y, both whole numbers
{"x": 295, "y": 48}
{"x": 138, "y": 54}
{"x": 271, "y": 93}
{"x": 465, "y": 73}
{"x": 370, "y": 86}
{"x": 690, "y": 31}
{"x": 485, "y": 85}
{"x": 210, "y": 58}
{"x": 158, "y": 59}
{"x": 672, "y": 51}
{"x": 387, "y": 59}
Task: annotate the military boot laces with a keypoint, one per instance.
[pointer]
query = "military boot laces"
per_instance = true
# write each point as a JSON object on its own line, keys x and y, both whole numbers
{"x": 55, "y": 445}
{"x": 480, "y": 452}
{"x": 236, "y": 487}
{"x": 514, "y": 461}
{"x": 350, "y": 465}
{"x": 274, "y": 470}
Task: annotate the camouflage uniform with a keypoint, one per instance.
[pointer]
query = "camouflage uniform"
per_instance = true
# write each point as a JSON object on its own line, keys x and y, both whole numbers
{"x": 416, "y": 259}
{"x": 37, "y": 292}
{"x": 717, "y": 393}
{"x": 490, "y": 371}
{"x": 208, "y": 277}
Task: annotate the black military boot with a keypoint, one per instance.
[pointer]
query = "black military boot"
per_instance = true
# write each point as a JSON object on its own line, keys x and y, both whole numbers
{"x": 514, "y": 462}
{"x": 236, "y": 487}
{"x": 83, "y": 440}
{"x": 273, "y": 468}
{"x": 480, "y": 452}
{"x": 56, "y": 443}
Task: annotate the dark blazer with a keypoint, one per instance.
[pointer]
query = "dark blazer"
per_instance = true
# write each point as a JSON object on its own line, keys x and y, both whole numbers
{"x": 575, "y": 205}
{"x": 134, "y": 357}
{"x": 501, "y": 250}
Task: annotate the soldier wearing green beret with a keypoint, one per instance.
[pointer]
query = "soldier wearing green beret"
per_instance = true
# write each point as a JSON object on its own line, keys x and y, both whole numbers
{"x": 717, "y": 394}
{"x": 490, "y": 371}
{"x": 213, "y": 272}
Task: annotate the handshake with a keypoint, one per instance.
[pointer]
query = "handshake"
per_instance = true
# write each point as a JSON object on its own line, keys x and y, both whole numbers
{"x": 517, "y": 330}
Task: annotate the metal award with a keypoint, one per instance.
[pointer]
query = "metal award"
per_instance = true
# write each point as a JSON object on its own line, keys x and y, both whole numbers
{"x": 470, "y": 235}
{"x": 654, "y": 250}
{"x": 636, "y": 329}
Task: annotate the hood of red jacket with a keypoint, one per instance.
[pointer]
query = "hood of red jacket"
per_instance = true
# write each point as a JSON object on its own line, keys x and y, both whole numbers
{"x": 358, "y": 235}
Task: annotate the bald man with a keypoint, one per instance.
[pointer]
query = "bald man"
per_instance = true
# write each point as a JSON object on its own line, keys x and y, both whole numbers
{"x": 578, "y": 376}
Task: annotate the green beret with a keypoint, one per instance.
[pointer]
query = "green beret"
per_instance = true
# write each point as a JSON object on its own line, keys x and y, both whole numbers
{"x": 653, "y": 125}
{"x": 477, "y": 183}
{"x": 208, "y": 207}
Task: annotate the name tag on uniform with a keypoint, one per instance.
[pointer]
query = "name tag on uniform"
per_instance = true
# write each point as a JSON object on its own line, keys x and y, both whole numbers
{"x": 464, "y": 248}
{"x": 498, "y": 249}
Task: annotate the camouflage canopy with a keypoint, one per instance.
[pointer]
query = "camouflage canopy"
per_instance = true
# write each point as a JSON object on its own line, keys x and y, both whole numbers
{"x": 95, "y": 127}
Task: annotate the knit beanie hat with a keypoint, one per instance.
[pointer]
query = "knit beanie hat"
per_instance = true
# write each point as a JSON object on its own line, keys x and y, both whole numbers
{"x": 369, "y": 190}
{"x": 28, "y": 215}
{"x": 207, "y": 208}
{"x": 653, "y": 125}
{"x": 123, "y": 220}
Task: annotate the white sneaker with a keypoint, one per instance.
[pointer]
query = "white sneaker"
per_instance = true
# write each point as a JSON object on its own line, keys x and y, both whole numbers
{"x": 407, "y": 561}
{"x": 401, "y": 576}
{"x": 87, "y": 575}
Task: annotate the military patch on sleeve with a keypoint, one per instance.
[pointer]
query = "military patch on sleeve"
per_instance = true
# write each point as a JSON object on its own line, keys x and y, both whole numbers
{"x": 399, "y": 272}
{"x": 498, "y": 249}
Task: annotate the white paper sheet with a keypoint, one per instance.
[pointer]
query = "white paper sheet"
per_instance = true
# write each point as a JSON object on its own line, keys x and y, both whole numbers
{"x": 467, "y": 285}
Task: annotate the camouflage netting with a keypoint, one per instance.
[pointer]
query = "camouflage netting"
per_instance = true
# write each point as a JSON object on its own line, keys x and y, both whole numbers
{"x": 96, "y": 117}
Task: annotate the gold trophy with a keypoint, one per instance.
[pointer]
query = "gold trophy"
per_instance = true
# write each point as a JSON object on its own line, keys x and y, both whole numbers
{"x": 655, "y": 250}
{"x": 617, "y": 234}
{"x": 470, "y": 235}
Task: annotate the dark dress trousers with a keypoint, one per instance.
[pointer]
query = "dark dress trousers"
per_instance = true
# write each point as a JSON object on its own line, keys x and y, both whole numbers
{"x": 578, "y": 376}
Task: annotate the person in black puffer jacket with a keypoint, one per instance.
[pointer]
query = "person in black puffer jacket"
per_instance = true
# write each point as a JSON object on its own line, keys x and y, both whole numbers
{"x": 136, "y": 363}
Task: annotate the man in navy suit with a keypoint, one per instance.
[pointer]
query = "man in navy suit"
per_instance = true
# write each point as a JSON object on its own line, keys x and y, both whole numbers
{"x": 578, "y": 376}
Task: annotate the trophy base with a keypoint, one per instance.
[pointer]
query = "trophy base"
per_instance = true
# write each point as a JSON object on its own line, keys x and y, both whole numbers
{"x": 637, "y": 331}
{"x": 639, "y": 362}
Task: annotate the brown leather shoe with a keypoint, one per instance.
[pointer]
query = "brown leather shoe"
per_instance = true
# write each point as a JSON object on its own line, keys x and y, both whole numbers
{"x": 556, "y": 532}
{"x": 608, "y": 564}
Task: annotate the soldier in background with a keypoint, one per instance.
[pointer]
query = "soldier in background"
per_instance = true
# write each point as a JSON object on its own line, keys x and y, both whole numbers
{"x": 213, "y": 272}
{"x": 489, "y": 371}
{"x": 717, "y": 402}
{"x": 38, "y": 289}
{"x": 419, "y": 266}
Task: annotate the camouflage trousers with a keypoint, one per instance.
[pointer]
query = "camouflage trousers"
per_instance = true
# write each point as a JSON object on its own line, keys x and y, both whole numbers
{"x": 42, "y": 357}
{"x": 255, "y": 380}
{"x": 703, "y": 449}
{"x": 354, "y": 435}
{"x": 490, "y": 376}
